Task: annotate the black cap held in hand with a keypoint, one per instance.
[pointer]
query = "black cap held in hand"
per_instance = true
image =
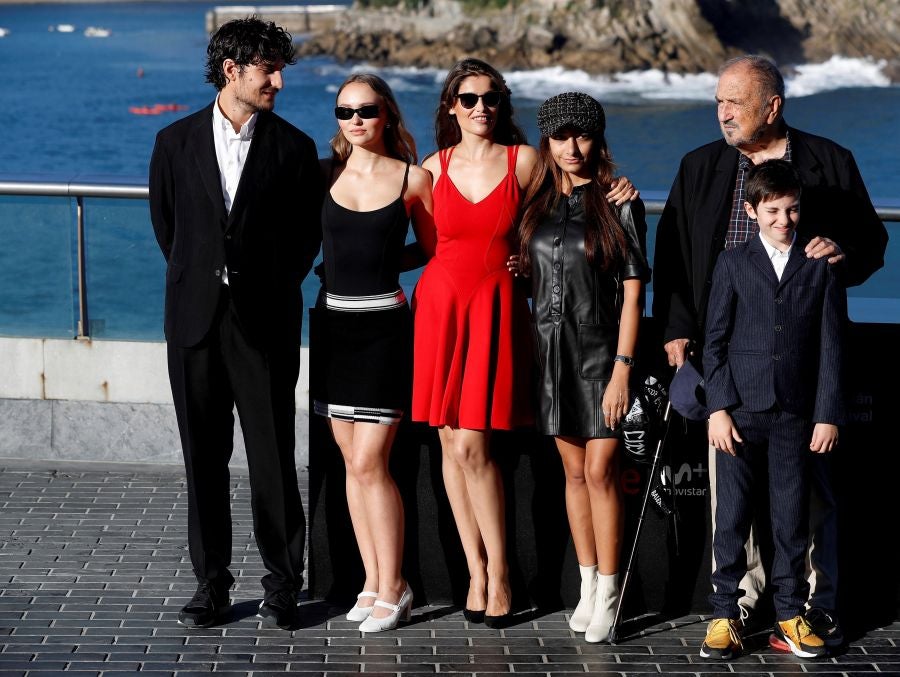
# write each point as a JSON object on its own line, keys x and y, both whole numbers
{"x": 571, "y": 109}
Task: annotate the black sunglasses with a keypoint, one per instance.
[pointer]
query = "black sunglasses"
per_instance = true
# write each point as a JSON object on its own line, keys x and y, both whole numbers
{"x": 366, "y": 112}
{"x": 469, "y": 99}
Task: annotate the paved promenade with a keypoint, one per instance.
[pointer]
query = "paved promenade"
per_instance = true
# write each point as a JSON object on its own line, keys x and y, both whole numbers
{"x": 94, "y": 568}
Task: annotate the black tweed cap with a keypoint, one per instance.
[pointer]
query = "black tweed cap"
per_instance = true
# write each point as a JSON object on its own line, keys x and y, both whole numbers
{"x": 575, "y": 109}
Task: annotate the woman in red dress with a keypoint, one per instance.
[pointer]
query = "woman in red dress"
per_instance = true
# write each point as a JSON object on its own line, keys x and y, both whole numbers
{"x": 471, "y": 355}
{"x": 472, "y": 352}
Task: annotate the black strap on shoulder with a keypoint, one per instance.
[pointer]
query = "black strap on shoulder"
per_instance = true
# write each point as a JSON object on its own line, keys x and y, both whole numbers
{"x": 405, "y": 180}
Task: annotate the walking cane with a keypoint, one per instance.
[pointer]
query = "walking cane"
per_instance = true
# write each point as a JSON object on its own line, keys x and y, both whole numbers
{"x": 650, "y": 479}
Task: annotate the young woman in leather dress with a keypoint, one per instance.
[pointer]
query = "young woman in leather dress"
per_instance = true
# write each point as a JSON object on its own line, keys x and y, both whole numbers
{"x": 587, "y": 265}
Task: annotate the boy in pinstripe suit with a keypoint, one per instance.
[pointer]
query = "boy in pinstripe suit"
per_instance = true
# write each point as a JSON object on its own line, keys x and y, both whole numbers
{"x": 773, "y": 379}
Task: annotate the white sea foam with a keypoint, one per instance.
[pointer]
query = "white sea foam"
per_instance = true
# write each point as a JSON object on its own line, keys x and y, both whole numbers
{"x": 621, "y": 87}
{"x": 836, "y": 73}
{"x": 649, "y": 85}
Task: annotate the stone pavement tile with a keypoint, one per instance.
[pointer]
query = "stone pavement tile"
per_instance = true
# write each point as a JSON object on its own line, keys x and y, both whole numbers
{"x": 431, "y": 659}
{"x": 505, "y": 641}
{"x": 182, "y": 671}
{"x": 329, "y": 667}
{"x": 105, "y": 666}
{"x": 402, "y": 650}
{"x": 475, "y": 666}
{"x": 137, "y": 656}
{"x": 62, "y": 672}
{"x": 397, "y": 669}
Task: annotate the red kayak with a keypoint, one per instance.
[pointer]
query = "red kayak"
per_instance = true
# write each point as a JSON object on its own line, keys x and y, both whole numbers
{"x": 156, "y": 108}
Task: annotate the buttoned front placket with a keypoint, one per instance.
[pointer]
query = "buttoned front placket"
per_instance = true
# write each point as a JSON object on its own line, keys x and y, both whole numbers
{"x": 557, "y": 260}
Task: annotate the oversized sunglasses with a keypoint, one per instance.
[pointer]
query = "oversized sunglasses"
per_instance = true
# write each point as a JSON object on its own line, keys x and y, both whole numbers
{"x": 469, "y": 99}
{"x": 366, "y": 112}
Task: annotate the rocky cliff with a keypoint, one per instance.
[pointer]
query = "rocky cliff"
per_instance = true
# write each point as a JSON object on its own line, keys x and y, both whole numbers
{"x": 608, "y": 36}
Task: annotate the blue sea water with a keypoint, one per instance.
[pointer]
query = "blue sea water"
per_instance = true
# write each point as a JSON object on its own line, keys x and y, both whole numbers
{"x": 67, "y": 98}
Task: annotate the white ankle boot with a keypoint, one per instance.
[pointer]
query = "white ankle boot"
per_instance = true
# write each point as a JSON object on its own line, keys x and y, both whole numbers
{"x": 581, "y": 617}
{"x": 604, "y": 608}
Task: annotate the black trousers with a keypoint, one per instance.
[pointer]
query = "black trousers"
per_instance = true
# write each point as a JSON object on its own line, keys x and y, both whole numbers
{"x": 775, "y": 443}
{"x": 208, "y": 380}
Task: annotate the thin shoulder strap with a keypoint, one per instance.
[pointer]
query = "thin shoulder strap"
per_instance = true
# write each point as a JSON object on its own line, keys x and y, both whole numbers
{"x": 405, "y": 180}
{"x": 512, "y": 152}
{"x": 444, "y": 155}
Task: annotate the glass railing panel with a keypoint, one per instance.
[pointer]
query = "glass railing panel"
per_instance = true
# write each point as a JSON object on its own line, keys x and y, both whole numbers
{"x": 37, "y": 266}
{"x": 125, "y": 271}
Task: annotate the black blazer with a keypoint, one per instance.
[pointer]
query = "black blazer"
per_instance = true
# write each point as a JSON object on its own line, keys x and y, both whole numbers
{"x": 771, "y": 342}
{"x": 268, "y": 241}
{"x": 692, "y": 228}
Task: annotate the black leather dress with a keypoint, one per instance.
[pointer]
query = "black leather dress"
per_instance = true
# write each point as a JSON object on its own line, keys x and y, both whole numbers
{"x": 576, "y": 310}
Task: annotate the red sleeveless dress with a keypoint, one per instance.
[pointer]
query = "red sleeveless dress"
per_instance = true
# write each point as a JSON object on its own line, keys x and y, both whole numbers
{"x": 472, "y": 352}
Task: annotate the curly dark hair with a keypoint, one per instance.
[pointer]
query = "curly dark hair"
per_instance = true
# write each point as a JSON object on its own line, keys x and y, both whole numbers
{"x": 246, "y": 42}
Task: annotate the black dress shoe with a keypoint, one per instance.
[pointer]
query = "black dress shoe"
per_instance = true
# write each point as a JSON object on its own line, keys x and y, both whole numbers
{"x": 473, "y": 616}
{"x": 206, "y": 607}
{"x": 279, "y": 609}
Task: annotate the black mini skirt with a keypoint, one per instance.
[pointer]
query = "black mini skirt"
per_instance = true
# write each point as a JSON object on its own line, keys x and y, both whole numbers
{"x": 361, "y": 363}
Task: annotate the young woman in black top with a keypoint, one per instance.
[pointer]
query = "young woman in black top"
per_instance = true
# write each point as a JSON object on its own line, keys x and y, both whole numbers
{"x": 362, "y": 346}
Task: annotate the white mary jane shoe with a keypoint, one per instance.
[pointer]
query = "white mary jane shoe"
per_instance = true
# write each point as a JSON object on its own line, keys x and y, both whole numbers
{"x": 361, "y": 613}
{"x": 402, "y": 610}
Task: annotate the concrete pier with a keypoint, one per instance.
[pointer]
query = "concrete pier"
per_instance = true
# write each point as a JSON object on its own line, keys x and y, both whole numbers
{"x": 296, "y": 19}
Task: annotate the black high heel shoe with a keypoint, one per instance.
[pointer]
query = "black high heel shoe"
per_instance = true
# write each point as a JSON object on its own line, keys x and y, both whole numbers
{"x": 499, "y": 622}
{"x": 473, "y": 616}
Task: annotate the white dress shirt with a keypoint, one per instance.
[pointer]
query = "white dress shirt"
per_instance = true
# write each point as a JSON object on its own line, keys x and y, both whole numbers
{"x": 231, "y": 154}
{"x": 778, "y": 258}
{"x": 231, "y": 151}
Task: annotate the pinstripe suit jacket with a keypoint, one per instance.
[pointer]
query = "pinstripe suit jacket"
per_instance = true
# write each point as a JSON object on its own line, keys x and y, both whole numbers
{"x": 771, "y": 342}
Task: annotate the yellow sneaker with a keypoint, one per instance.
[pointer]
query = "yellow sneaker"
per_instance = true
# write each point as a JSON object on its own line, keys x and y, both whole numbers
{"x": 723, "y": 639}
{"x": 800, "y": 638}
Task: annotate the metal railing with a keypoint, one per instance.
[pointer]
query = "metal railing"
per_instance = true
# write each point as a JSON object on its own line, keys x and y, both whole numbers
{"x": 654, "y": 201}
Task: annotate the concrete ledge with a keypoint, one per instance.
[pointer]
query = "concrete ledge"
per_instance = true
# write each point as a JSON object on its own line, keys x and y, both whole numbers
{"x": 98, "y": 371}
{"x": 109, "y": 431}
{"x": 103, "y": 401}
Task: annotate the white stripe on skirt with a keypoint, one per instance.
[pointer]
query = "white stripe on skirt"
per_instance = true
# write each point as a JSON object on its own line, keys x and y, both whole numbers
{"x": 343, "y": 412}
{"x": 364, "y": 303}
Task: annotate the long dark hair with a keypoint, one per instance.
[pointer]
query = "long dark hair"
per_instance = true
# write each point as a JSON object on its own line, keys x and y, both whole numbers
{"x": 446, "y": 127}
{"x": 604, "y": 239}
{"x": 398, "y": 142}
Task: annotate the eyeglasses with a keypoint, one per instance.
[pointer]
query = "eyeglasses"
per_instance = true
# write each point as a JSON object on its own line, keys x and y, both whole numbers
{"x": 366, "y": 112}
{"x": 469, "y": 99}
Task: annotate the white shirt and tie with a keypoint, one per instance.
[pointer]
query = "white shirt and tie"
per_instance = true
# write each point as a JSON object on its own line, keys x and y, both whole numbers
{"x": 231, "y": 155}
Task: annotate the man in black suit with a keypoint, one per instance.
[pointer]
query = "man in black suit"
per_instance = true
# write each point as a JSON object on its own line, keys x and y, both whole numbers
{"x": 235, "y": 194}
{"x": 704, "y": 215}
{"x": 772, "y": 362}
